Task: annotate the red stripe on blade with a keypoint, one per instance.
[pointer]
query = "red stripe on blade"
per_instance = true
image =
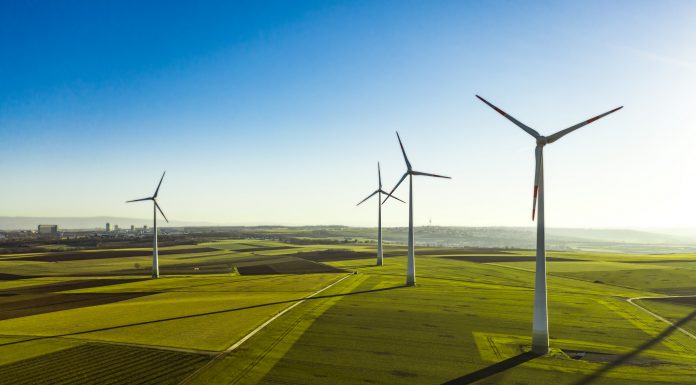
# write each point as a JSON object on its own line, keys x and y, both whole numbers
{"x": 536, "y": 190}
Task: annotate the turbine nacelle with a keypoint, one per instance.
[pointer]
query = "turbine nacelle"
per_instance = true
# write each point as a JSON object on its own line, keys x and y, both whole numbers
{"x": 409, "y": 170}
{"x": 153, "y": 198}
{"x": 542, "y": 141}
{"x": 411, "y": 259}
{"x": 540, "y": 325}
{"x": 379, "y": 190}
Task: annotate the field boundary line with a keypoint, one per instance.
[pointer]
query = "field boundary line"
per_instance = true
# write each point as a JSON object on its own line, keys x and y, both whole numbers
{"x": 659, "y": 317}
{"x": 258, "y": 329}
{"x": 287, "y": 309}
{"x": 557, "y": 275}
{"x": 290, "y": 335}
{"x": 107, "y": 342}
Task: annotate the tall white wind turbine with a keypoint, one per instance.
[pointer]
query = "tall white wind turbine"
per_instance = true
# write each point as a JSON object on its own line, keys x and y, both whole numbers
{"x": 410, "y": 173}
{"x": 155, "y": 257}
{"x": 379, "y": 192}
{"x": 540, "y": 326}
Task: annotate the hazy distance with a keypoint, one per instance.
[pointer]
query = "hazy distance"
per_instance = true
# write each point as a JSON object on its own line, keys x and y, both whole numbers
{"x": 278, "y": 115}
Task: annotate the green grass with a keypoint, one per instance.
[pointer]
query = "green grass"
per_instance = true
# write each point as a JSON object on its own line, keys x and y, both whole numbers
{"x": 587, "y": 266}
{"x": 243, "y": 244}
{"x": 96, "y": 364}
{"x": 672, "y": 281}
{"x": 12, "y": 351}
{"x": 461, "y": 318}
{"x": 460, "y": 322}
{"x": 677, "y": 312}
{"x": 185, "y": 313}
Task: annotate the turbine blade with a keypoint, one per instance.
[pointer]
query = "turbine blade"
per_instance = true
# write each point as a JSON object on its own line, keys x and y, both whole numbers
{"x": 537, "y": 175}
{"x": 160, "y": 210}
{"x": 562, "y": 133}
{"x": 427, "y": 174}
{"x": 529, "y": 130}
{"x": 368, "y": 197}
{"x": 158, "y": 186}
{"x": 138, "y": 200}
{"x": 379, "y": 176}
{"x": 408, "y": 164}
{"x": 393, "y": 196}
{"x": 397, "y": 185}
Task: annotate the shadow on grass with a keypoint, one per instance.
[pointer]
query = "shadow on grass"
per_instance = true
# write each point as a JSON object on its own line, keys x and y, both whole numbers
{"x": 363, "y": 266}
{"x": 494, "y": 369}
{"x": 631, "y": 355}
{"x": 201, "y": 315}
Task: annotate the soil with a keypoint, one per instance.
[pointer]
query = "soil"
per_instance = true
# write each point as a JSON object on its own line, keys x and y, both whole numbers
{"x": 79, "y": 256}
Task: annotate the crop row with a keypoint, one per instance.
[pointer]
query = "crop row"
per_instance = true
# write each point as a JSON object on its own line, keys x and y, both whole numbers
{"x": 103, "y": 364}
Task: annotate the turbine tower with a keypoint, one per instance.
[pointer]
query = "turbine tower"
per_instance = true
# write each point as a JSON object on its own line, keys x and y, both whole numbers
{"x": 410, "y": 173}
{"x": 540, "y": 326}
{"x": 379, "y": 192}
{"x": 155, "y": 258}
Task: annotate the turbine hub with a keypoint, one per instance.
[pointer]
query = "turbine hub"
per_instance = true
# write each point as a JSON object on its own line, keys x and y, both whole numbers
{"x": 541, "y": 141}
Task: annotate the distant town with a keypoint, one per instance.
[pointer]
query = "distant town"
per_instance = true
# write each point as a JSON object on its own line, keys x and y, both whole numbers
{"x": 48, "y": 232}
{"x": 118, "y": 234}
{"x": 110, "y": 233}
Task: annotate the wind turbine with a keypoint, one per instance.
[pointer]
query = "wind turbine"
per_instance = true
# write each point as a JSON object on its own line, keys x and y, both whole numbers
{"x": 379, "y": 192}
{"x": 540, "y": 326}
{"x": 155, "y": 258}
{"x": 411, "y": 264}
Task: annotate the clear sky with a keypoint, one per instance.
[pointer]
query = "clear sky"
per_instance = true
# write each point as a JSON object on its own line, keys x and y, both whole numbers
{"x": 277, "y": 112}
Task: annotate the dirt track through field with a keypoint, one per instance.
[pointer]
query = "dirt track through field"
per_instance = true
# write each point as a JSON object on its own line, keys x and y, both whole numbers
{"x": 259, "y": 328}
{"x": 668, "y": 322}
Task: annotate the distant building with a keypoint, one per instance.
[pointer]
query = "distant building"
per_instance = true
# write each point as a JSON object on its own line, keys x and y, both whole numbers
{"x": 49, "y": 230}
{"x": 144, "y": 227}
{"x": 115, "y": 227}
{"x": 108, "y": 227}
{"x": 132, "y": 228}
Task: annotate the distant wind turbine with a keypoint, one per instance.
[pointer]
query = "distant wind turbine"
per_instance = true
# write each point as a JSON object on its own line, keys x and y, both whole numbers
{"x": 411, "y": 263}
{"x": 379, "y": 192}
{"x": 540, "y": 326}
{"x": 155, "y": 258}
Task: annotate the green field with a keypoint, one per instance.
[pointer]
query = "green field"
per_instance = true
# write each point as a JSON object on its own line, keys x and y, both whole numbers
{"x": 468, "y": 319}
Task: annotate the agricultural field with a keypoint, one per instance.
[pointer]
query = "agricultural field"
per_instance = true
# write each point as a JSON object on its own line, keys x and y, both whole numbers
{"x": 254, "y": 311}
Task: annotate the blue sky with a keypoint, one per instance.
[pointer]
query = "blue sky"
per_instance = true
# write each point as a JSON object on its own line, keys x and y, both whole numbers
{"x": 277, "y": 112}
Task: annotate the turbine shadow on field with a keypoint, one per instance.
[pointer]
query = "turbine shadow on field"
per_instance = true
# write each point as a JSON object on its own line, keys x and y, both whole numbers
{"x": 202, "y": 314}
{"x": 494, "y": 369}
{"x": 631, "y": 355}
